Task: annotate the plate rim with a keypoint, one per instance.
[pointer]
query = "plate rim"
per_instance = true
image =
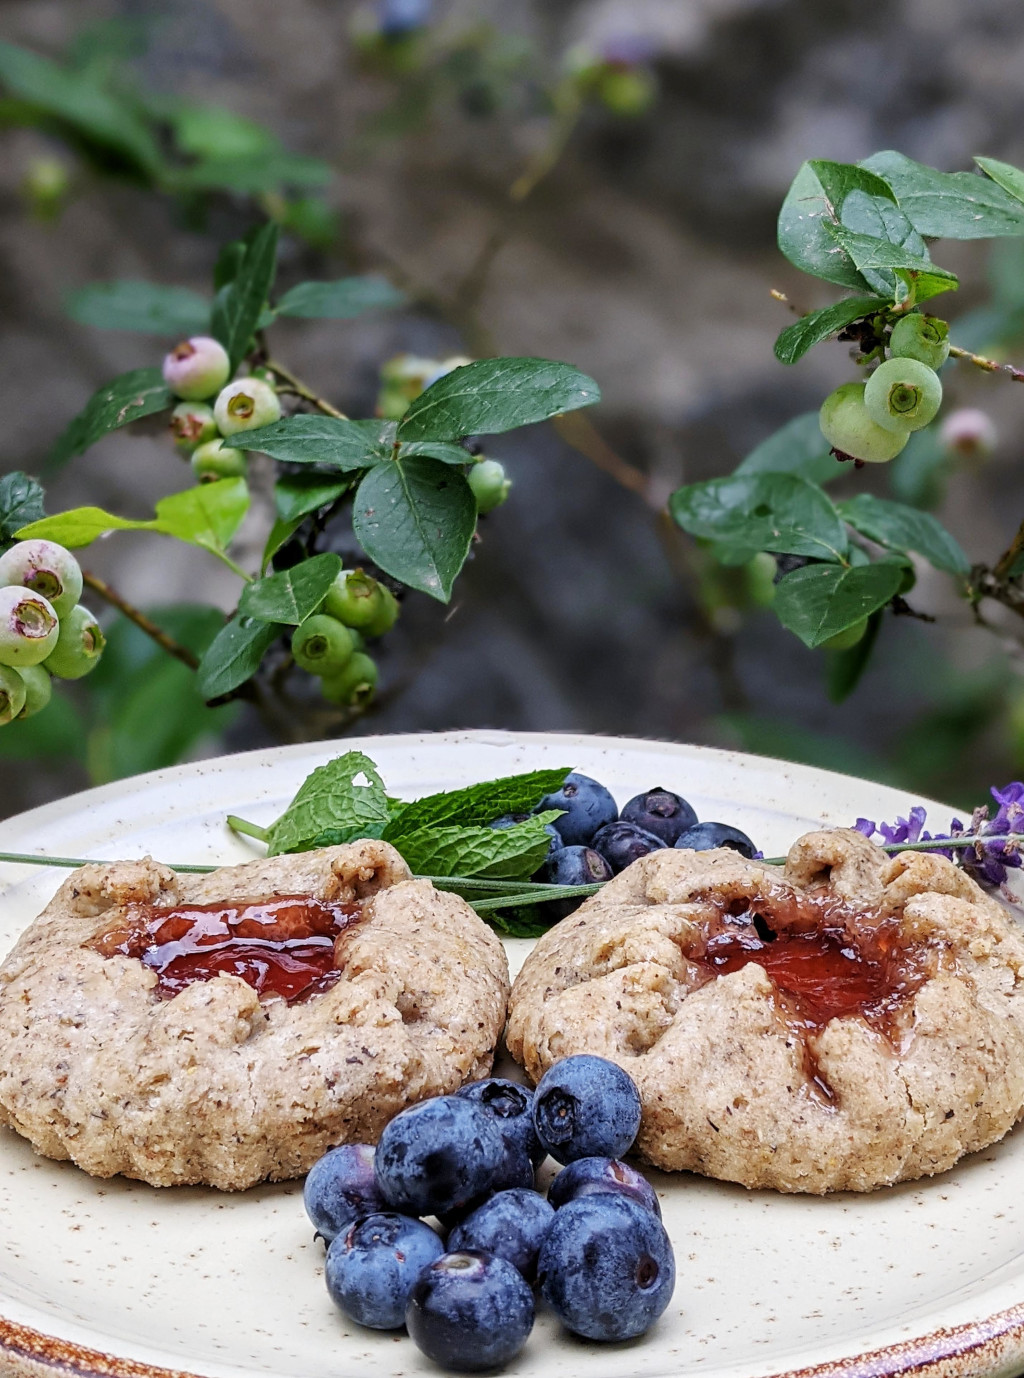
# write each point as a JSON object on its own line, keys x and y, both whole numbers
{"x": 979, "y": 1348}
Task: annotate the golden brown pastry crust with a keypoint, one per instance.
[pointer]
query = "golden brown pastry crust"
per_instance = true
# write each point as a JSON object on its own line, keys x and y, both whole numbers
{"x": 215, "y": 1086}
{"x": 726, "y": 1083}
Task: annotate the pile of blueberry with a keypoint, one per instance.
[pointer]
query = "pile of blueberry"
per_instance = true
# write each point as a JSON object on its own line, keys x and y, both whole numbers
{"x": 592, "y": 841}
{"x": 595, "y": 1249}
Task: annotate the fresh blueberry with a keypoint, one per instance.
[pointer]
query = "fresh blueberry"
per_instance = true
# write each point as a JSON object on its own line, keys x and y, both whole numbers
{"x": 371, "y": 1268}
{"x": 702, "y": 837}
{"x": 438, "y": 1156}
{"x": 512, "y": 1224}
{"x": 470, "y": 1311}
{"x": 339, "y": 1187}
{"x": 606, "y": 1267}
{"x": 589, "y": 1176}
{"x": 571, "y": 866}
{"x": 399, "y": 18}
{"x": 586, "y": 807}
{"x": 586, "y": 1107}
{"x": 623, "y": 843}
{"x": 516, "y": 1171}
{"x": 661, "y": 812}
{"x": 511, "y": 1106}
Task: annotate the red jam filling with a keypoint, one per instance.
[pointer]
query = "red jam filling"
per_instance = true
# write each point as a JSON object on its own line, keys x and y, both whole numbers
{"x": 282, "y": 947}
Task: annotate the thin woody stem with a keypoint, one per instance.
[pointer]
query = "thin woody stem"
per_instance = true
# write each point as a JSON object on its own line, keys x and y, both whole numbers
{"x": 1010, "y": 557}
{"x": 144, "y": 623}
{"x": 989, "y": 365}
{"x": 299, "y": 388}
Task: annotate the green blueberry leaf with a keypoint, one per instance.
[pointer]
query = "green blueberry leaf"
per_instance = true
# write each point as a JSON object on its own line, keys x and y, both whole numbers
{"x": 323, "y": 440}
{"x": 415, "y": 518}
{"x": 344, "y": 799}
{"x": 252, "y": 174}
{"x": 845, "y": 668}
{"x": 820, "y": 601}
{"x": 794, "y": 342}
{"x": 127, "y": 398}
{"x": 339, "y": 300}
{"x": 1010, "y": 178}
{"x": 494, "y": 395}
{"x": 780, "y": 512}
{"x": 21, "y": 503}
{"x": 293, "y": 594}
{"x": 207, "y": 515}
{"x": 798, "y": 447}
{"x": 806, "y": 218}
{"x": 239, "y": 305}
{"x": 948, "y": 205}
{"x": 878, "y": 257}
{"x": 498, "y": 853}
{"x": 295, "y": 497}
{"x": 148, "y": 308}
{"x": 208, "y": 131}
{"x": 234, "y": 656}
{"x": 903, "y": 528}
{"x": 435, "y": 449}
{"x": 77, "y": 98}
{"x": 476, "y": 804}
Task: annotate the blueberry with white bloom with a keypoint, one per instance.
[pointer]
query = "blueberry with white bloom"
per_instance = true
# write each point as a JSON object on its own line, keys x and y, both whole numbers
{"x": 470, "y": 1311}
{"x": 585, "y": 1107}
{"x": 341, "y": 1186}
{"x": 371, "y": 1269}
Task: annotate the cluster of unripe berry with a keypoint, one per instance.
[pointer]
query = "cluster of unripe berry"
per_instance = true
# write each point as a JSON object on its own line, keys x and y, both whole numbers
{"x": 330, "y": 644}
{"x": 212, "y": 408}
{"x": 44, "y": 630}
{"x": 872, "y": 422}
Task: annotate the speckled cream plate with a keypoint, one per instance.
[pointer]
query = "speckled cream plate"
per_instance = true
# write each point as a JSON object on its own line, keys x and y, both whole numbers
{"x": 117, "y": 1278}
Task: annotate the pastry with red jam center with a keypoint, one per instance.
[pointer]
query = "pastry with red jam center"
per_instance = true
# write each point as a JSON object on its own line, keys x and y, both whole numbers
{"x": 230, "y": 1028}
{"x": 847, "y": 1022}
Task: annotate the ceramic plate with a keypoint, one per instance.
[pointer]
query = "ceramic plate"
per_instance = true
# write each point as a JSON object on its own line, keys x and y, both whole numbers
{"x": 115, "y": 1277}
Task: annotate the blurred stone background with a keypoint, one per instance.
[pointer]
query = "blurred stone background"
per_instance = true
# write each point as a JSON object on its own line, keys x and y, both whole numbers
{"x": 645, "y": 258}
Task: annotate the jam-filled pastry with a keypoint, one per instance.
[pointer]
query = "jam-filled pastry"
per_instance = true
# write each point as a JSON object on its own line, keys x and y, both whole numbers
{"x": 229, "y": 1028}
{"x": 848, "y": 1022}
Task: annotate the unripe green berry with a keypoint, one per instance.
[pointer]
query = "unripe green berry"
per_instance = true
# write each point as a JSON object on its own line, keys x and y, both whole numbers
{"x": 78, "y": 647}
{"x": 192, "y": 424}
{"x": 216, "y": 460}
{"x": 352, "y": 686}
{"x": 28, "y": 626}
{"x": 12, "y": 694}
{"x": 38, "y": 689}
{"x": 903, "y": 395}
{"x": 322, "y": 645}
{"x": 197, "y": 368}
{"x": 489, "y": 483}
{"x": 628, "y": 91}
{"x": 849, "y": 429}
{"x": 245, "y": 405}
{"x": 924, "y": 338}
{"x": 44, "y": 567}
{"x": 849, "y": 636}
{"x": 387, "y": 614}
{"x": 354, "y": 598}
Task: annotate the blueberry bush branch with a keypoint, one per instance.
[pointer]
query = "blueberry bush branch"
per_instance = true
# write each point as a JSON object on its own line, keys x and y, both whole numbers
{"x": 146, "y": 624}
{"x": 842, "y": 563}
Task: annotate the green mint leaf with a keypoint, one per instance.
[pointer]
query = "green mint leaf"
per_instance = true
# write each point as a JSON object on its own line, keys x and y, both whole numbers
{"x": 477, "y": 804}
{"x": 148, "y": 308}
{"x": 208, "y": 515}
{"x": 326, "y": 440}
{"x": 798, "y": 447}
{"x": 344, "y": 799}
{"x": 794, "y": 342}
{"x": 234, "y": 656}
{"x": 415, "y": 518}
{"x": 508, "y": 853}
{"x": 948, "y": 205}
{"x": 820, "y": 601}
{"x": 129, "y": 397}
{"x": 292, "y": 595}
{"x": 521, "y": 922}
{"x": 21, "y": 503}
{"x": 903, "y": 528}
{"x": 783, "y": 513}
{"x": 339, "y": 300}
{"x": 1010, "y": 178}
{"x": 238, "y": 306}
{"x": 494, "y": 395}
{"x": 845, "y": 668}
